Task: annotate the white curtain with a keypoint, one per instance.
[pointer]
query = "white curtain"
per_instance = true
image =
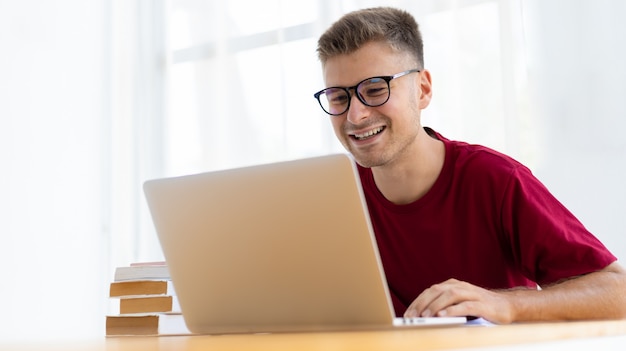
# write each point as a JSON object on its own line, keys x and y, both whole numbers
{"x": 54, "y": 183}
{"x": 249, "y": 68}
{"x": 98, "y": 96}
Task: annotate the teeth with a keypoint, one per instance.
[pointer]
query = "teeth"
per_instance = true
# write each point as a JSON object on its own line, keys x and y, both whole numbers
{"x": 368, "y": 134}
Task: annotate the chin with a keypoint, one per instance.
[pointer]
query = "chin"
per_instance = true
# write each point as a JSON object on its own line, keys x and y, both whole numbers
{"x": 368, "y": 162}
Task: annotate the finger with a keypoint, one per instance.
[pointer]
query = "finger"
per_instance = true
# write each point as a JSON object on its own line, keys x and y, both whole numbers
{"x": 489, "y": 306}
{"x": 463, "y": 309}
{"x": 419, "y": 306}
{"x": 442, "y": 296}
{"x": 451, "y": 296}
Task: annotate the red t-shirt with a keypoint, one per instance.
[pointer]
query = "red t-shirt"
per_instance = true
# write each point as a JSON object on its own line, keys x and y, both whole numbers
{"x": 487, "y": 221}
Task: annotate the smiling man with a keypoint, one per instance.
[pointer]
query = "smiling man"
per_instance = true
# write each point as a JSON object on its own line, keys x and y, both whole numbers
{"x": 462, "y": 229}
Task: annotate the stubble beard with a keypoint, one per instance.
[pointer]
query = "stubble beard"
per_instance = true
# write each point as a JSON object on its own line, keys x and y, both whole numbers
{"x": 393, "y": 150}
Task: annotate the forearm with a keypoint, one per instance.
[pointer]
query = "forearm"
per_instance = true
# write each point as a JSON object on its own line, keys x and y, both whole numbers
{"x": 598, "y": 295}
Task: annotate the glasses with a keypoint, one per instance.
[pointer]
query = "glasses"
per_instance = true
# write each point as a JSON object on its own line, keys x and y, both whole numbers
{"x": 371, "y": 92}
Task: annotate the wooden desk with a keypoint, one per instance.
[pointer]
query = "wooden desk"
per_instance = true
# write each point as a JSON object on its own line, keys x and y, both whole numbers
{"x": 458, "y": 337}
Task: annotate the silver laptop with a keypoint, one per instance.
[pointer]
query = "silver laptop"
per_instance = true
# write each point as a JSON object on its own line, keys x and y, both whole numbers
{"x": 278, "y": 247}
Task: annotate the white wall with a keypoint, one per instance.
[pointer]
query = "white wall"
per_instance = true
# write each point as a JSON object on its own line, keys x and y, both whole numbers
{"x": 53, "y": 137}
{"x": 578, "y": 95}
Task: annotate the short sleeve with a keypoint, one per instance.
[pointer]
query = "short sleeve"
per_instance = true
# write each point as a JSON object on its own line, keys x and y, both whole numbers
{"x": 549, "y": 243}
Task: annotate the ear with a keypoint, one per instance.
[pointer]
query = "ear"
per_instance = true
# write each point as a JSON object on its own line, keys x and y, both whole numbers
{"x": 426, "y": 91}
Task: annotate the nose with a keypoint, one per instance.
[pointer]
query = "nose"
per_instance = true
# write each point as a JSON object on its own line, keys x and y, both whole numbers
{"x": 357, "y": 111}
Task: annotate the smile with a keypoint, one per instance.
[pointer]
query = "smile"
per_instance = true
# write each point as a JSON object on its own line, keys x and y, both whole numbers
{"x": 368, "y": 134}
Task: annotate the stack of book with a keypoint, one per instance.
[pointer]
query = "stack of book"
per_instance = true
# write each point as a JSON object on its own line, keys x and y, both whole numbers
{"x": 144, "y": 302}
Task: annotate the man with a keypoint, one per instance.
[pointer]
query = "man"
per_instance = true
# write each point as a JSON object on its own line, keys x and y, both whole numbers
{"x": 462, "y": 230}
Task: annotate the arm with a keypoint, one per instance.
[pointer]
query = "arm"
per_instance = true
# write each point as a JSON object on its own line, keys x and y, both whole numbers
{"x": 598, "y": 295}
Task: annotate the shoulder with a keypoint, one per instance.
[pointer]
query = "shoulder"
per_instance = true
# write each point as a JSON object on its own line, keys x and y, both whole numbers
{"x": 463, "y": 157}
{"x": 479, "y": 171}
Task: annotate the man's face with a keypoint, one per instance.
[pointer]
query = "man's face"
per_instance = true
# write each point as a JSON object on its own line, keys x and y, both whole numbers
{"x": 379, "y": 136}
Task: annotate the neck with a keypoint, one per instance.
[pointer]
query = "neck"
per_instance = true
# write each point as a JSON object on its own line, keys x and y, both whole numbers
{"x": 410, "y": 177}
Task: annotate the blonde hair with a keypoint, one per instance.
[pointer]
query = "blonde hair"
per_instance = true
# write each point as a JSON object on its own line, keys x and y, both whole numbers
{"x": 396, "y": 27}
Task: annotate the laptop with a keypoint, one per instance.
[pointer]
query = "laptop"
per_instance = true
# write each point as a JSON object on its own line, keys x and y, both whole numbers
{"x": 281, "y": 247}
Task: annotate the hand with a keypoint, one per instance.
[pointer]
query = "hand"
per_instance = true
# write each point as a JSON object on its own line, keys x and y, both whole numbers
{"x": 457, "y": 298}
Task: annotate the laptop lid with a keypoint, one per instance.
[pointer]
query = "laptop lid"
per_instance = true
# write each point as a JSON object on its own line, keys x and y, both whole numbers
{"x": 271, "y": 248}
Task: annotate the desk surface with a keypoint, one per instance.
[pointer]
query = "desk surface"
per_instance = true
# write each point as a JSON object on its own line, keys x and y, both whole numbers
{"x": 457, "y": 337}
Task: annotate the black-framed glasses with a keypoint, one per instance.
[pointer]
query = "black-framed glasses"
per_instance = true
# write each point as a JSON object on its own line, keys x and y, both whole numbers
{"x": 371, "y": 92}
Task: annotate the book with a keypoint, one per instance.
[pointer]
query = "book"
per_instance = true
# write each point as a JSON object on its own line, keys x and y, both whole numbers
{"x": 142, "y": 271}
{"x": 146, "y": 324}
{"x": 144, "y": 302}
{"x": 141, "y": 287}
{"x": 148, "y": 304}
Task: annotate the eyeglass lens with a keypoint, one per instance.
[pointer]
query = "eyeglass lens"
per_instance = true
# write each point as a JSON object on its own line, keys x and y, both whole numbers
{"x": 371, "y": 92}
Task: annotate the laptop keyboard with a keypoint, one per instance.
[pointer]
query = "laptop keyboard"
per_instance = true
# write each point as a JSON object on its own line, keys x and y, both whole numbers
{"x": 401, "y": 321}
